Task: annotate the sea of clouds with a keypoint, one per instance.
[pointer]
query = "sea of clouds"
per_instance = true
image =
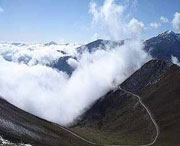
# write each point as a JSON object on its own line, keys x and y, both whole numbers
{"x": 34, "y": 86}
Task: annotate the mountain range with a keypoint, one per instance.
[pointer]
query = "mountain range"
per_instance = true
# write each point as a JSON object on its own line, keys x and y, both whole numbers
{"x": 163, "y": 46}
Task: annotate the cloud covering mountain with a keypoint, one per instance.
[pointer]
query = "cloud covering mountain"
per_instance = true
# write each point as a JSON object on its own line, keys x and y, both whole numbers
{"x": 28, "y": 80}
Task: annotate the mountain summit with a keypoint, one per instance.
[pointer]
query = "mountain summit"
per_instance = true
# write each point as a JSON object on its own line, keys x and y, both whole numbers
{"x": 164, "y": 46}
{"x": 50, "y": 43}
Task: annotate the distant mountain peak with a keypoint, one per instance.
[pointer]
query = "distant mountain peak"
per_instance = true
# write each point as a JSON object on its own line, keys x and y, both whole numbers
{"x": 168, "y": 32}
{"x": 18, "y": 44}
{"x": 50, "y": 43}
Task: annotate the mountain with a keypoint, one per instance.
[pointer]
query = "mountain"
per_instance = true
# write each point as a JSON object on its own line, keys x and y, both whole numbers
{"x": 119, "y": 117}
{"x": 18, "y": 44}
{"x": 164, "y": 45}
{"x": 19, "y": 126}
{"x": 62, "y": 65}
{"x": 50, "y": 43}
{"x": 99, "y": 44}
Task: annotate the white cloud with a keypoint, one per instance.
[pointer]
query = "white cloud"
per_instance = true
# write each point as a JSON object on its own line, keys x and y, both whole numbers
{"x": 108, "y": 15}
{"x": 135, "y": 27}
{"x": 175, "y": 60}
{"x": 164, "y": 19}
{"x": 155, "y": 25}
{"x": 1, "y": 10}
{"x": 34, "y": 54}
{"x": 95, "y": 37}
{"x": 72, "y": 62}
{"x": 176, "y": 21}
{"x": 113, "y": 21}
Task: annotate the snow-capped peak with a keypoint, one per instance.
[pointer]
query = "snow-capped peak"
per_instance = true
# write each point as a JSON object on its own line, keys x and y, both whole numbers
{"x": 168, "y": 32}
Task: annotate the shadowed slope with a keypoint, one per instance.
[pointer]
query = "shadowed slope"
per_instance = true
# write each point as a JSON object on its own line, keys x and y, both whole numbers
{"x": 17, "y": 125}
{"x": 117, "y": 118}
{"x": 163, "y": 99}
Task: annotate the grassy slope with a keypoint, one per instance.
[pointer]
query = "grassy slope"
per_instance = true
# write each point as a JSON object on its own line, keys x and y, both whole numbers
{"x": 118, "y": 118}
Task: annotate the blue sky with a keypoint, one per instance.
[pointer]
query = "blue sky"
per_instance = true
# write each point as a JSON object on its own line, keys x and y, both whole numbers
{"x": 70, "y": 20}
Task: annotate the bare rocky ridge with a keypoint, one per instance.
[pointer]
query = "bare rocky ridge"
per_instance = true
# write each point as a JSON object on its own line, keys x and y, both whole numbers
{"x": 164, "y": 45}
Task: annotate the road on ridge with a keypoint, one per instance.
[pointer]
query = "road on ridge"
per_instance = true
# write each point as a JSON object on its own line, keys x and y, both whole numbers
{"x": 148, "y": 111}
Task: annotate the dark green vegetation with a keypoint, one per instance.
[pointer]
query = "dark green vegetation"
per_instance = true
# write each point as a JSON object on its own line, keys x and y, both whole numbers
{"x": 19, "y": 126}
{"x": 118, "y": 118}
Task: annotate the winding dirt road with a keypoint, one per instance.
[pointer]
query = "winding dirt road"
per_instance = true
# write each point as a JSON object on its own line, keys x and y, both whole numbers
{"x": 150, "y": 115}
{"x": 145, "y": 107}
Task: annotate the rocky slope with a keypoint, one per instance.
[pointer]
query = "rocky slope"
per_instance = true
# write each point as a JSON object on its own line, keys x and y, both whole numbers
{"x": 164, "y": 45}
{"x": 148, "y": 74}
